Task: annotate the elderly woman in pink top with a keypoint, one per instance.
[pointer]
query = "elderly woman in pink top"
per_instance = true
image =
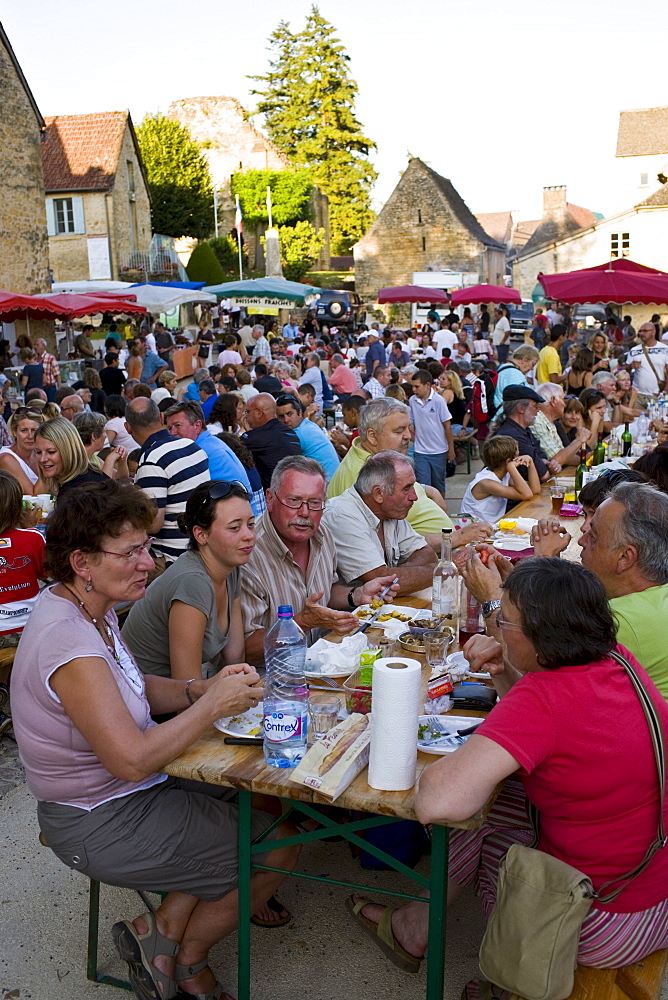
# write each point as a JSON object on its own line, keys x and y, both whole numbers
{"x": 93, "y": 755}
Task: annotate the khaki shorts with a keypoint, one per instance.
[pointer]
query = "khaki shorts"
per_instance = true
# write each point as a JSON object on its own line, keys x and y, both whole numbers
{"x": 178, "y": 836}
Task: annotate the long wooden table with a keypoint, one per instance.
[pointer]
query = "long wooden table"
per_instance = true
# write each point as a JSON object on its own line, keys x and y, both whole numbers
{"x": 540, "y": 507}
{"x": 243, "y": 768}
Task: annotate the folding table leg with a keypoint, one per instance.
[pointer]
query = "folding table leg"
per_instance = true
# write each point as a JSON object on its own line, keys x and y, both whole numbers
{"x": 438, "y": 895}
{"x": 244, "y": 932}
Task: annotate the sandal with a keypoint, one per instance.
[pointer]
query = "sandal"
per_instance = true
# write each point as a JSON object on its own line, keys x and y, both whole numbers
{"x": 139, "y": 950}
{"x": 276, "y": 907}
{"x": 189, "y": 972}
{"x": 482, "y": 989}
{"x": 382, "y": 934}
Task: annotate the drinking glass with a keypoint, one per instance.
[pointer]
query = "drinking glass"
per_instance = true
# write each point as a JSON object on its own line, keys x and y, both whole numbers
{"x": 436, "y": 647}
{"x": 324, "y": 714}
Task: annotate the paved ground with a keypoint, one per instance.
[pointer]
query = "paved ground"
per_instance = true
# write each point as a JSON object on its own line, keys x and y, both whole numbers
{"x": 44, "y": 912}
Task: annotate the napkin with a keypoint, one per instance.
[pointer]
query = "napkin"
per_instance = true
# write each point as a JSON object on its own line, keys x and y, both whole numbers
{"x": 332, "y": 657}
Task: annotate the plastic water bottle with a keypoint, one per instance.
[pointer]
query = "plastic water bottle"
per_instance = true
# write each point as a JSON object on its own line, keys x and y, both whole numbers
{"x": 285, "y": 692}
{"x": 642, "y": 425}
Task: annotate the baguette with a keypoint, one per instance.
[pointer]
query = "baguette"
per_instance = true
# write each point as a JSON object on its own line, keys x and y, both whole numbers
{"x": 346, "y": 741}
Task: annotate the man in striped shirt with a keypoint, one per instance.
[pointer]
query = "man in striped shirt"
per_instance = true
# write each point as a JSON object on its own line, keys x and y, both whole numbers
{"x": 294, "y": 562}
{"x": 51, "y": 379}
{"x": 169, "y": 470}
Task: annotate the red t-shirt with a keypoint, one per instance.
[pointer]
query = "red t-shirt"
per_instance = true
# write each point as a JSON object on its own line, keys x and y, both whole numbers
{"x": 588, "y": 766}
{"x": 21, "y": 565}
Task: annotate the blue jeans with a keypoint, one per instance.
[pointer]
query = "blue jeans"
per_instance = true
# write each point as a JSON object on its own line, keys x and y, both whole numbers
{"x": 502, "y": 352}
{"x": 430, "y": 469}
{"x": 50, "y": 391}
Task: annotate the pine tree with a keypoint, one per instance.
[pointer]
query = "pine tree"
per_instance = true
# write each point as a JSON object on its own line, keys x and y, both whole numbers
{"x": 178, "y": 178}
{"x": 308, "y": 102}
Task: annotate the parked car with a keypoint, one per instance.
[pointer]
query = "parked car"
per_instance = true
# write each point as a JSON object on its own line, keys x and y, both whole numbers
{"x": 338, "y": 308}
{"x": 521, "y": 317}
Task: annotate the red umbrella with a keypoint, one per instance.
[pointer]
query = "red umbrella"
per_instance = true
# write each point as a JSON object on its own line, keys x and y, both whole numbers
{"x": 69, "y": 305}
{"x": 484, "y": 293}
{"x": 14, "y": 306}
{"x": 412, "y": 293}
{"x": 619, "y": 281}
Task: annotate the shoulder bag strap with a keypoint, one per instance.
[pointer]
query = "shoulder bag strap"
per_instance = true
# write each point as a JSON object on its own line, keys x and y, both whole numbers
{"x": 659, "y": 745}
{"x": 651, "y": 364}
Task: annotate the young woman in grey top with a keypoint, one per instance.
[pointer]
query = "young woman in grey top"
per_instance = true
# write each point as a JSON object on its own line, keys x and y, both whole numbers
{"x": 189, "y": 622}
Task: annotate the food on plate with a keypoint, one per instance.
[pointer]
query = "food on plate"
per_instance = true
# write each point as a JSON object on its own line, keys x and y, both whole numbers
{"x": 363, "y": 613}
{"x": 367, "y": 610}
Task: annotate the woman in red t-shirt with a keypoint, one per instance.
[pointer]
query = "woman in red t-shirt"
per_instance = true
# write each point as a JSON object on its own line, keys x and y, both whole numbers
{"x": 571, "y": 728}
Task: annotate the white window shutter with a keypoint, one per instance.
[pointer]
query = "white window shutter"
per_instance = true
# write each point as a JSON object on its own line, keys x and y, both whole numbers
{"x": 77, "y": 208}
{"x": 50, "y": 218}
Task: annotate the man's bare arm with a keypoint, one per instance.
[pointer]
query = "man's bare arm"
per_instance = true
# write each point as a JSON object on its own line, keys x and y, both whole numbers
{"x": 414, "y": 574}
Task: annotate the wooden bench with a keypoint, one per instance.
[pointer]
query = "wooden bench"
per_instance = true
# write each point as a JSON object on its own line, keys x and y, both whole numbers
{"x": 640, "y": 981}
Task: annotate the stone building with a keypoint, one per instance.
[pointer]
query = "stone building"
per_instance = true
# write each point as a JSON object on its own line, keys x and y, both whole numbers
{"x": 24, "y": 248}
{"x": 98, "y": 206}
{"x": 642, "y": 152}
{"x": 232, "y": 145}
{"x": 638, "y": 233}
{"x": 425, "y": 226}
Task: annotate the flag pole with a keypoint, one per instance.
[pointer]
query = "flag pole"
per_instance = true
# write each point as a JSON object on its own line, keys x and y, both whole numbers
{"x": 238, "y": 225}
{"x": 271, "y": 225}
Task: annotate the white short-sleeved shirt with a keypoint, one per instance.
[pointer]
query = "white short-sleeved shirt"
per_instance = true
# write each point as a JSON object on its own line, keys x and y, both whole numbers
{"x": 500, "y": 330}
{"x": 355, "y": 530}
{"x": 427, "y": 418}
{"x": 644, "y": 379}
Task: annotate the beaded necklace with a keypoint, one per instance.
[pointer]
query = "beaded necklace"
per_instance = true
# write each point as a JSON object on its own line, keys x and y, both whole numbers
{"x": 109, "y": 641}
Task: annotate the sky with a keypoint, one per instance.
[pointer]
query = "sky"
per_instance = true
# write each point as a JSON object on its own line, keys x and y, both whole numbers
{"x": 502, "y": 99}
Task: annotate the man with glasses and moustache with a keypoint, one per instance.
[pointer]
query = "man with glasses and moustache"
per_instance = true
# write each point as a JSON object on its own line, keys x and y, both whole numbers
{"x": 294, "y": 562}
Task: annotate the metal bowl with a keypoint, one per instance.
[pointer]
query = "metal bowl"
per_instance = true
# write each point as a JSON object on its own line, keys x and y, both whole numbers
{"x": 411, "y": 643}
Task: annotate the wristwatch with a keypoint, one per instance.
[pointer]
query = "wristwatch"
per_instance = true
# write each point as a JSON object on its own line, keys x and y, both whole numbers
{"x": 489, "y": 607}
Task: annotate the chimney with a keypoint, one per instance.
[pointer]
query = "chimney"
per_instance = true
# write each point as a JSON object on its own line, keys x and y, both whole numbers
{"x": 554, "y": 200}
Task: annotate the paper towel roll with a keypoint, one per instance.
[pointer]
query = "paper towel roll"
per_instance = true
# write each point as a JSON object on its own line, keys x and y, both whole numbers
{"x": 395, "y": 710}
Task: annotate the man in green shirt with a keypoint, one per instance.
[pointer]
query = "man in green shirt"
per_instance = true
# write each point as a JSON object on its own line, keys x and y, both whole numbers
{"x": 384, "y": 425}
{"x": 626, "y": 546}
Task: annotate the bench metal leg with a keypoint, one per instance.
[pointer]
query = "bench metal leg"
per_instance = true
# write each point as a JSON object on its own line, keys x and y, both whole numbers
{"x": 93, "y": 935}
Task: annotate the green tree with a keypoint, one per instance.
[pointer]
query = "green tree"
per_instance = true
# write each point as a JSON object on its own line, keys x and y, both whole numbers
{"x": 308, "y": 100}
{"x": 290, "y": 195}
{"x": 204, "y": 265}
{"x": 178, "y": 178}
{"x": 300, "y": 245}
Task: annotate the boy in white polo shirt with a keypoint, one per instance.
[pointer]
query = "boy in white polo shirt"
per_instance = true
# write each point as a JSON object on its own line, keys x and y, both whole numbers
{"x": 431, "y": 421}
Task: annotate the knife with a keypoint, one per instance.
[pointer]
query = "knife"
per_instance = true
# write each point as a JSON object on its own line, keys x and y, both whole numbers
{"x": 244, "y": 741}
{"x": 381, "y": 597}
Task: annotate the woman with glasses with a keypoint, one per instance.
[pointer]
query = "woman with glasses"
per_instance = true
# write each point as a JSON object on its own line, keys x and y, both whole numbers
{"x": 93, "y": 756}
{"x": 20, "y": 459}
{"x": 568, "y": 736}
{"x": 189, "y": 623}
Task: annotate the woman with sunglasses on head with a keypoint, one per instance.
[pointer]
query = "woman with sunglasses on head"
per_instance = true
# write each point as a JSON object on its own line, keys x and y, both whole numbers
{"x": 20, "y": 459}
{"x": 555, "y": 741}
{"x": 93, "y": 757}
{"x": 189, "y": 623}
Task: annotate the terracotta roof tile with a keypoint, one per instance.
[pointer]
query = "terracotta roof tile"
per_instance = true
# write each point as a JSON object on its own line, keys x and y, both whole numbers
{"x": 643, "y": 132}
{"x": 497, "y": 224}
{"x": 583, "y": 217}
{"x": 80, "y": 152}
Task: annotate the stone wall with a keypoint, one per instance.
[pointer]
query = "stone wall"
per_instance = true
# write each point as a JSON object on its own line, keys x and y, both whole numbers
{"x": 107, "y": 213}
{"x": 417, "y": 230}
{"x": 24, "y": 251}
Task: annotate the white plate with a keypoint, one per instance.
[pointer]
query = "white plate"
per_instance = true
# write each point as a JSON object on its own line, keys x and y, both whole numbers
{"x": 317, "y": 675}
{"x": 511, "y": 542}
{"x": 449, "y": 724}
{"x": 481, "y": 676}
{"x": 387, "y": 609}
{"x": 250, "y": 723}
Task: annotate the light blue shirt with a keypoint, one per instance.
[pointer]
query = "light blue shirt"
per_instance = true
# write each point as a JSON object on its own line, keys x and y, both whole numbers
{"x": 152, "y": 364}
{"x": 223, "y": 463}
{"x": 510, "y": 375}
{"x": 315, "y": 444}
{"x": 290, "y": 331}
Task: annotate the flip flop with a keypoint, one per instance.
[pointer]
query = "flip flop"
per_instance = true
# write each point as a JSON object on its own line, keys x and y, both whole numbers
{"x": 276, "y": 907}
{"x": 382, "y": 934}
{"x": 139, "y": 950}
{"x": 189, "y": 972}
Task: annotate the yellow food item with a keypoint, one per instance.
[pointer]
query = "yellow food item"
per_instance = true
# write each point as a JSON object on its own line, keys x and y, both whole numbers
{"x": 506, "y": 524}
{"x": 376, "y": 604}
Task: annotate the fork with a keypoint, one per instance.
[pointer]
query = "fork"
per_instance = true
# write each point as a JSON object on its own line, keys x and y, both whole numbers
{"x": 436, "y": 730}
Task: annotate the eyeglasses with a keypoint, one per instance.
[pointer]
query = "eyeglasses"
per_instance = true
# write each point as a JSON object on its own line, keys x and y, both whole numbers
{"x": 135, "y": 552}
{"x": 221, "y": 488}
{"x": 502, "y": 623}
{"x": 295, "y": 504}
{"x": 29, "y": 411}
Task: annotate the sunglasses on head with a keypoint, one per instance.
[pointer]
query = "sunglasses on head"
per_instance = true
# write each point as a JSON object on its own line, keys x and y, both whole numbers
{"x": 219, "y": 489}
{"x": 28, "y": 411}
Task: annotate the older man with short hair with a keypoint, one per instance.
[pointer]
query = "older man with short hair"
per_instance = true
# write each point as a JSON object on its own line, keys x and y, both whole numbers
{"x": 71, "y": 404}
{"x": 384, "y": 425}
{"x": 368, "y": 522}
{"x": 649, "y": 361}
{"x": 262, "y": 348}
{"x": 267, "y": 439}
{"x": 520, "y": 406}
{"x": 294, "y": 562}
{"x": 545, "y": 429}
{"x": 379, "y": 381}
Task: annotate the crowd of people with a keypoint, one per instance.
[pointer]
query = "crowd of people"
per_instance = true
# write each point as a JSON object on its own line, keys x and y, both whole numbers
{"x": 205, "y": 507}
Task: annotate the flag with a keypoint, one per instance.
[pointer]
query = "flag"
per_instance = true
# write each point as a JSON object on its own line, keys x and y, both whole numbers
{"x": 238, "y": 219}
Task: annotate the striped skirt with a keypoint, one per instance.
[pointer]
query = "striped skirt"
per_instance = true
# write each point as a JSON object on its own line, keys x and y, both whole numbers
{"x": 607, "y": 940}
